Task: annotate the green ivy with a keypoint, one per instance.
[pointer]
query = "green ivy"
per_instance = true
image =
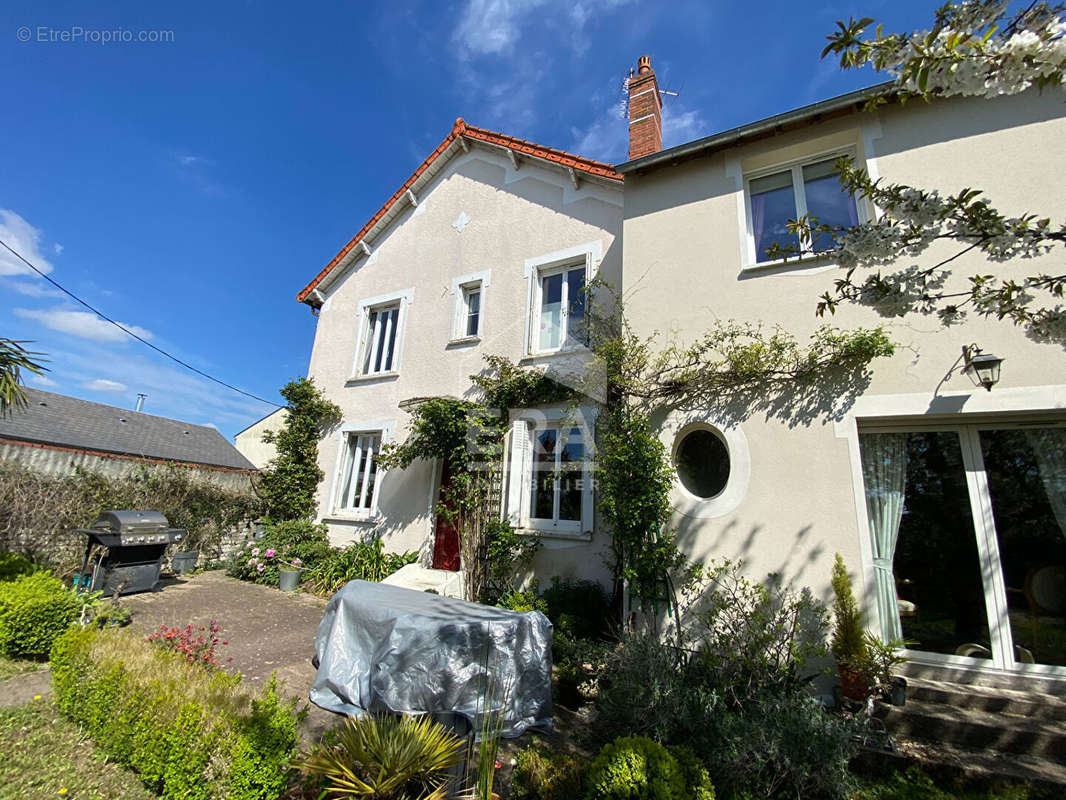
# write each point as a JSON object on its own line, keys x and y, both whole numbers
{"x": 290, "y": 480}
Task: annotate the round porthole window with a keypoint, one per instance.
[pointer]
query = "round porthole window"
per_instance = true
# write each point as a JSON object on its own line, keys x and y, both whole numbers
{"x": 702, "y": 463}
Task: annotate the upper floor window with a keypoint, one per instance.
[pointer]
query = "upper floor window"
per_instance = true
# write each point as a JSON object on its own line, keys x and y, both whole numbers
{"x": 380, "y": 346}
{"x": 469, "y": 292}
{"x": 472, "y": 310}
{"x": 559, "y": 309}
{"x": 788, "y": 192}
{"x": 382, "y": 321}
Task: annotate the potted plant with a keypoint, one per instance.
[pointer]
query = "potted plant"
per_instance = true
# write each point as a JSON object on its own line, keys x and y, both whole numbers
{"x": 289, "y": 571}
{"x": 849, "y": 644}
{"x": 882, "y": 657}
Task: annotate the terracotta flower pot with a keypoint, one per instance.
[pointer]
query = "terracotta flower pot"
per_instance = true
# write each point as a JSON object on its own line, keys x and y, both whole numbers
{"x": 853, "y": 683}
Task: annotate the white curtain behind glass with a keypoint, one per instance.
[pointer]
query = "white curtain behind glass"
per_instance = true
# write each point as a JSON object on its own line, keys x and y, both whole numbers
{"x": 1049, "y": 446}
{"x": 884, "y": 473}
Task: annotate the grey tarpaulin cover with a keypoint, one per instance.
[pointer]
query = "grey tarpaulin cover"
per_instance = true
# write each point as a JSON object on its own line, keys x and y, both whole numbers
{"x": 386, "y": 648}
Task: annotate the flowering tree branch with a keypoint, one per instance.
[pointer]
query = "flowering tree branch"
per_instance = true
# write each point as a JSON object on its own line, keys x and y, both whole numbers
{"x": 974, "y": 49}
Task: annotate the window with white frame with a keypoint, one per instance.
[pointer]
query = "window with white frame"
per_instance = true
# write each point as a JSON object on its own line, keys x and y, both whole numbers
{"x": 549, "y": 487}
{"x": 790, "y": 191}
{"x": 469, "y": 322}
{"x": 359, "y": 472}
{"x": 381, "y": 327}
{"x": 559, "y": 307}
{"x": 379, "y": 344}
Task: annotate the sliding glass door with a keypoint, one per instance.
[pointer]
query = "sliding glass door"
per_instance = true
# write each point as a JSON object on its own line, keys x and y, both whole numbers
{"x": 968, "y": 536}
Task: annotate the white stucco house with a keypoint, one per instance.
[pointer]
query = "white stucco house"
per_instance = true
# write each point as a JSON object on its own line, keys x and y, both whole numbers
{"x": 947, "y": 501}
{"x": 484, "y": 250}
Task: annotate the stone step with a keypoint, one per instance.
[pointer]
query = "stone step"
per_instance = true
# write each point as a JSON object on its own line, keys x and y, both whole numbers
{"x": 990, "y": 679}
{"x": 973, "y": 768}
{"x": 1020, "y": 703}
{"x": 422, "y": 579}
{"x": 977, "y": 729}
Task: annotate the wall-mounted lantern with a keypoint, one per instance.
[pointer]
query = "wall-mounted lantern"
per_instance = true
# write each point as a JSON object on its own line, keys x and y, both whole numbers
{"x": 983, "y": 368}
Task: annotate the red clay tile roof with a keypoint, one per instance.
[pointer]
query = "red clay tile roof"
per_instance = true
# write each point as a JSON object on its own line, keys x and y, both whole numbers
{"x": 461, "y": 129}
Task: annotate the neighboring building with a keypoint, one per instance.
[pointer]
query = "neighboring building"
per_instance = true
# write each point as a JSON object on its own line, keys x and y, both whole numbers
{"x": 484, "y": 250}
{"x": 947, "y": 500}
{"x": 56, "y": 435}
{"x": 249, "y": 442}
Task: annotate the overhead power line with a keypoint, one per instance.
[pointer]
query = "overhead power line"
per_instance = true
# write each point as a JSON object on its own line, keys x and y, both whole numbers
{"x": 123, "y": 328}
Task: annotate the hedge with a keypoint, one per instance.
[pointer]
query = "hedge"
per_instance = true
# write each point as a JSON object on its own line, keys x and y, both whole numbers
{"x": 187, "y": 731}
{"x": 14, "y": 565}
{"x": 34, "y": 610}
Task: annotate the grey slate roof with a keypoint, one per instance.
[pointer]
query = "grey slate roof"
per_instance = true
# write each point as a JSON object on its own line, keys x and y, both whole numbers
{"x": 55, "y": 419}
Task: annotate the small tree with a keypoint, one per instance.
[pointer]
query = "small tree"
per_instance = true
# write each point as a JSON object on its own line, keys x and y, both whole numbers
{"x": 289, "y": 482}
{"x": 848, "y": 644}
{"x": 13, "y": 359}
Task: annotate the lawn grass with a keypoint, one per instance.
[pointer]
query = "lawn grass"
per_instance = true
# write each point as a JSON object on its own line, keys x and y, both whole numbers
{"x": 913, "y": 784}
{"x": 46, "y": 756}
{"x": 9, "y": 668}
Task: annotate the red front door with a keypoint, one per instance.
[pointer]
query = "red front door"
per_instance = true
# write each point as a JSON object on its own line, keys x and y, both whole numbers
{"x": 446, "y": 543}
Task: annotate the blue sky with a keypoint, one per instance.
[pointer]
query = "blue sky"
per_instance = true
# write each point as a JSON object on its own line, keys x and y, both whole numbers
{"x": 190, "y": 188}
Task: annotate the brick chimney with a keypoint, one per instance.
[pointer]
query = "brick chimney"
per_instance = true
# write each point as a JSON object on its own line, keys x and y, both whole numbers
{"x": 645, "y": 111}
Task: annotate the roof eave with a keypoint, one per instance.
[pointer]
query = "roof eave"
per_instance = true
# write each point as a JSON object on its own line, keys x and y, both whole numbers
{"x": 852, "y": 101}
{"x": 461, "y": 136}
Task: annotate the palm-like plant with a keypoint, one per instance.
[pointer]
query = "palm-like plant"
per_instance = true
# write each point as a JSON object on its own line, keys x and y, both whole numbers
{"x": 13, "y": 359}
{"x": 387, "y": 758}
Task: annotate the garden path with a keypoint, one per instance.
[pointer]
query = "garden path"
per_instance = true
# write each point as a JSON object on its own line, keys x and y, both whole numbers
{"x": 268, "y": 630}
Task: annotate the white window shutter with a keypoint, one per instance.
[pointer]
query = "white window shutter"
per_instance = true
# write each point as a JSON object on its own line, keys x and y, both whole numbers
{"x": 517, "y": 470}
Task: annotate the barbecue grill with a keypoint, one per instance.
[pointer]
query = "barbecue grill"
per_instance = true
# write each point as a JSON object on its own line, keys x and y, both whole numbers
{"x": 125, "y": 551}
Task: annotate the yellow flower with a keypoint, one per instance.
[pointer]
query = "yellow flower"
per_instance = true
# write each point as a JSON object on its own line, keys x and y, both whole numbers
{"x": 63, "y": 790}
{"x": 38, "y": 697}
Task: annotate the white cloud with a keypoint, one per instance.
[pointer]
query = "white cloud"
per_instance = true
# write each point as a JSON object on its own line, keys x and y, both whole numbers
{"x": 104, "y": 385}
{"x": 188, "y": 160}
{"x": 58, "y": 248}
{"x": 43, "y": 380}
{"x": 38, "y": 288}
{"x": 680, "y": 126}
{"x": 82, "y": 324}
{"x": 23, "y": 238}
{"x": 491, "y": 27}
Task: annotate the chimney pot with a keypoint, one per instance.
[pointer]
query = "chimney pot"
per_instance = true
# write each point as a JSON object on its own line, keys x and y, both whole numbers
{"x": 644, "y": 64}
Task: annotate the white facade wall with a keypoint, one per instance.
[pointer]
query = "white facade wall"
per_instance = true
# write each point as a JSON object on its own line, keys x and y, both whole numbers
{"x": 795, "y": 495}
{"x": 250, "y": 444}
{"x": 478, "y": 216}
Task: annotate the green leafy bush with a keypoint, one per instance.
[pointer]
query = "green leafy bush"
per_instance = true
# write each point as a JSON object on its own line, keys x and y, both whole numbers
{"x": 260, "y": 561}
{"x": 362, "y": 560}
{"x": 635, "y": 768}
{"x": 737, "y": 692}
{"x": 544, "y": 774}
{"x": 34, "y": 610}
{"x": 577, "y": 608}
{"x": 187, "y": 732}
{"x": 14, "y": 565}
{"x": 387, "y": 758}
{"x": 697, "y": 780}
{"x": 522, "y": 600}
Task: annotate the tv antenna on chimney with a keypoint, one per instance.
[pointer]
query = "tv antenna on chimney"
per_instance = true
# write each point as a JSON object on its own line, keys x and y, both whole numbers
{"x": 623, "y": 103}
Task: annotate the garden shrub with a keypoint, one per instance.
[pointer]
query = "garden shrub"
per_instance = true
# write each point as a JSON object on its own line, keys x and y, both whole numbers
{"x": 14, "y": 565}
{"x": 34, "y": 610}
{"x": 361, "y": 560}
{"x": 260, "y": 561}
{"x": 544, "y": 774}
{"x": 698, "y": 784}
{"x": 187, "y": 732}
{"x": 738, "y": 692}
{"x": 635, "y": 768}
{"x": 577, "y": 608}
{"x": 38, "y": 511}
{"x": 521, "y": 600}
{"x": 387, "y": 757}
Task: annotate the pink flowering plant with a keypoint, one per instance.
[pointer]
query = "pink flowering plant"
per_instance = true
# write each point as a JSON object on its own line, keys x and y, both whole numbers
{"x": 297, "y": 544}
{"x": 197, "y": 645}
